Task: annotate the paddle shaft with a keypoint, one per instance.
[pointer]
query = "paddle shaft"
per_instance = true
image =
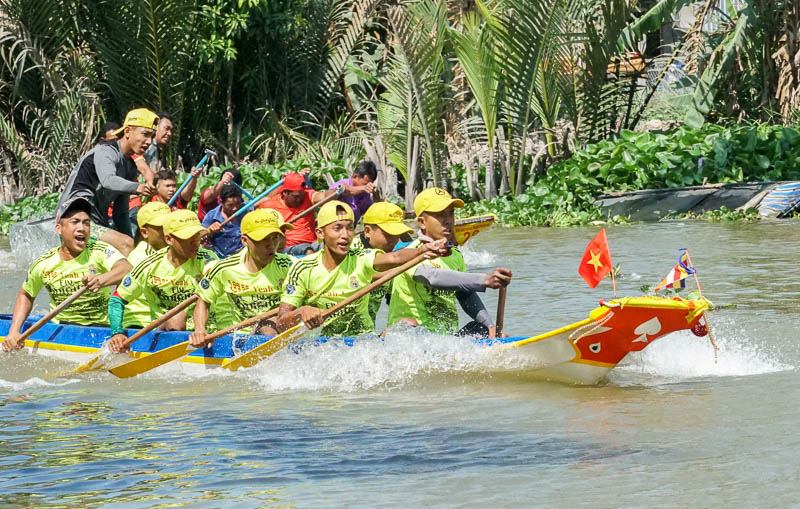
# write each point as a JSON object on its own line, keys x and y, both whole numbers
{"x": 386, "y": 276}
{"x": 185, "y": 183}
{"x": 252, "y": 203}
{"x": 338, "y": 193}
{"x": 501, "y": 310}
{"x": 161, "y": 320}
{"x": 244, "y": 323}
{"x": 49, "y": 316}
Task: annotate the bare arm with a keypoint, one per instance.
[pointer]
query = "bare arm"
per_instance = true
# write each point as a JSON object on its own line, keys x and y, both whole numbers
{"x": 386, "y": 261}
{"x": 321, "y": 195}
{"x": 289, "y": 316}
{"x": 188, "y": 191}
{"x": 198, "y": 337}
{"x": 22, "y": 309}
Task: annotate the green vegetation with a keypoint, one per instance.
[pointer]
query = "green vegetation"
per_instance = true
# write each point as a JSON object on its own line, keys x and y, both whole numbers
{"x": 27, "y": 208}
{"x": 723, "y": 215}
{"x": 712, "y": 154}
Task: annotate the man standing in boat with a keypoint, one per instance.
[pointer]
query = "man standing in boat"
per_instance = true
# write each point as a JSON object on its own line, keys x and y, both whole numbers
{"x": 166, "y": 278}
{"x": 79, "y": 261}
{"x": 106, "y": 175}
{"x": 336, "y": 272}
{"x": 252, "y": 280}
{"x": 426, "y": 294}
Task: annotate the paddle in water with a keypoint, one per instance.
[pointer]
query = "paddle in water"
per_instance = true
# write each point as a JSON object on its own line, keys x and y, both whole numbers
{"x": 179, "y": 350}
{"x": 98, "y": 362}
{"x": 501, "y": 311}
{"x": 289, "y": 336}
{"x": 52, "y": 314}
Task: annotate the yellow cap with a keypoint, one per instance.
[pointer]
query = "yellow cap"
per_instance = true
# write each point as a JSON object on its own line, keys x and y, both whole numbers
{"x": 388, "y": 217}
{"x": 328, "y": 213}
{"x": 261, "y": 222}
{"x": 154, "y": 213}
{"x": 182, "y": 224}
{"x": 140, "y": 117}
{"x": 434, "y": 199}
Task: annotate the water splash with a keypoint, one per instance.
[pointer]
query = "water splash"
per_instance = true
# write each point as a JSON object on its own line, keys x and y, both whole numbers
{"x": 683, "y": 356}
{"x": 477, "y": 259}
{"x": 30, "y": 239}
{"x": 31, "y": 383}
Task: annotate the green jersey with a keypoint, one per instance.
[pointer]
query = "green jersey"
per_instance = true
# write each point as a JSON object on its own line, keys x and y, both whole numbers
{"x": 433, "y": 309}
{"x": 137, "y": 311}
{"x": 163, "y": 285}
{"x": 248, "y": 293}
{"x": 62, "y": 278}
{"x": 310, "y": 283}
{"x": 377, "y": 295}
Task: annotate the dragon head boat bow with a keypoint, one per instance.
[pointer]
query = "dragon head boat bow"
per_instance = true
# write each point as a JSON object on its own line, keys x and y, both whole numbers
{"x": 584, "y": 352}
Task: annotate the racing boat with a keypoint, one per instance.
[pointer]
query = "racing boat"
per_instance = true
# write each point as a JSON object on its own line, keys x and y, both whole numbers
{"x": 580, "y": 353}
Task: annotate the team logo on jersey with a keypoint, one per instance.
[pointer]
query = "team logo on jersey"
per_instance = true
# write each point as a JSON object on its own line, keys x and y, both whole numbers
{"x": 126, "y": 282}
{"x": 290, "y": 289}
{"x": 204, "y": 284}
{"x": 353, "y": 282}
{"x": 109, "y": 252}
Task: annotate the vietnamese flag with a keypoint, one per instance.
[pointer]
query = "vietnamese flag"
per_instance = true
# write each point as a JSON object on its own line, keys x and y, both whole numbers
{"x": 596, "y": 261}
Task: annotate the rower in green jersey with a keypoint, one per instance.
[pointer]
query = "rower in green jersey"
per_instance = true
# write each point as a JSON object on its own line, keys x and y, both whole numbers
{"x": 79, "y": 261}
{"x": 383, "y": 229}
{"x": 331, "y": 275}
{"x": 166, "y": 278}
{"x": 150, "y": 218}
{"x": 252, "y": 279}
{"x": 426, "y": 294}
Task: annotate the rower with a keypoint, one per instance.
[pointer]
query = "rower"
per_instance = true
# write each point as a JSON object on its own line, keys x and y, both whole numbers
{"x": 107, "y": 175}
{"x": 425, "y": 295}
{"x": 166, "y": 278}
{"x": 383, "y": 229}
{"x": 151, "y": 220}
{"x": 331, "y": 275}
{"x": 294, "y": 198}
{"x": 251, "y": 279}
{"x": 225, "y": 240}
{"x": 166, "y": 182}
{"x": 79, "y": 261}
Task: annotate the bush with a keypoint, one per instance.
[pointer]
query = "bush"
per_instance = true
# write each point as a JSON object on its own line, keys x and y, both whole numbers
{"x": 27, "y": 208}
{"x": 685, "y": 157}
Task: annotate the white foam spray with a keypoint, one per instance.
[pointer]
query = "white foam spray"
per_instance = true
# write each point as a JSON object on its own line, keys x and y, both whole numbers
{"x": 478, "y": 259}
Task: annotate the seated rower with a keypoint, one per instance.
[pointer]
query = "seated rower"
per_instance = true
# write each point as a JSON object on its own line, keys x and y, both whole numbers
{"x": 166, "y": 182}
{"x": 383, "y": 229}
{"x": 251, "y": 279}
{"x": 150, "y": 219}
{"x": 426, "y": 294}
{"x": 225, "y": 240}
{"x": 294, "y": 198}
{"x": 79, "y": 261}
{"x": 166, "y": 278}
{"x": 331, "y": 275}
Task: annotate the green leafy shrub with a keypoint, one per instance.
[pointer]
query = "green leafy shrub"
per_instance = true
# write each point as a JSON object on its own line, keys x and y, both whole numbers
{"x": 27, "y": 208}
{"x": 684, "y": 157}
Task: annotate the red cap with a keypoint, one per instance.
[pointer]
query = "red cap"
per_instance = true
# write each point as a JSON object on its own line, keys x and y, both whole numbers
{"x": 294, "y": 182}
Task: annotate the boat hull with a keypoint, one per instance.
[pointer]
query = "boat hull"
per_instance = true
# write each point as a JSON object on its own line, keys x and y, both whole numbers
{"x": 580, "y": 353}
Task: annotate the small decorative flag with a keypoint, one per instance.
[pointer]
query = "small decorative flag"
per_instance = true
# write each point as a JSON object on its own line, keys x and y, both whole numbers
{"x": 596, "y": 261}
{"x": 676, "y": 277}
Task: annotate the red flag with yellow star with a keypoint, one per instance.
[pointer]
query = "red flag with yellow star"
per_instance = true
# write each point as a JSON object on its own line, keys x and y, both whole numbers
{"x": 596, "y": 261}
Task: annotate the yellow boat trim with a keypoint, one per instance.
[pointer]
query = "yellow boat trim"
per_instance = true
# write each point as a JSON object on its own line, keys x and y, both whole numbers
{"x": 578, "y": 360}
{"x": 550, "y": 334}
{"x": 58, "y": 347}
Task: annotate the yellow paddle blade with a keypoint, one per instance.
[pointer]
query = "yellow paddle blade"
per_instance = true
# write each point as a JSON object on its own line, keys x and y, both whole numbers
{"x": 467, "y": 228}
{"x": 152, "y": 361}
{"x": 94, "y": 364}
{"x": 254, "y": 356}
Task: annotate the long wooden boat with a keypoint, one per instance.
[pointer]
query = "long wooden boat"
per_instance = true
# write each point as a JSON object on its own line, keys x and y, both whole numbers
{"x": 582, "y": 352}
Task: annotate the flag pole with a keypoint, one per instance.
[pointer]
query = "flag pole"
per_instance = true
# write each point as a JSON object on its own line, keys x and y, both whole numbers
{"x": 711, "y": 336}
{"x": 613, "y": 281}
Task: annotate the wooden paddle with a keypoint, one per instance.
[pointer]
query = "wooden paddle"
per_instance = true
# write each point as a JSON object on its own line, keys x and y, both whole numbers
{"x": 96, "y": 363}
{"x": 501, "y": 311}
{"x": 289, "y": 336}
{"x": 52, "y": 314}
{"x": 339, "y": 192}
{"x": 175, "y": 352}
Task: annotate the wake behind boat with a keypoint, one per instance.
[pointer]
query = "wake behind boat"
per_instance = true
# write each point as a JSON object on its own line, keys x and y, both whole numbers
{"x": 582, "y": 352}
